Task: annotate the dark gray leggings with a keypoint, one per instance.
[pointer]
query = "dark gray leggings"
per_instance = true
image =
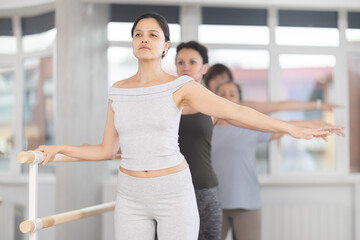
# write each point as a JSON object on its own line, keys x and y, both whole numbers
{"x": 210, "y": 213}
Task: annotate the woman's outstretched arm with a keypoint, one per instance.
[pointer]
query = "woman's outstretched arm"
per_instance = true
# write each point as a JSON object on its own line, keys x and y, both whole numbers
{"x": 198, "y": 97}
{"x": 270, "y": 107}
{"x": 313, "y": 124}
{"x": 104, "y": 151}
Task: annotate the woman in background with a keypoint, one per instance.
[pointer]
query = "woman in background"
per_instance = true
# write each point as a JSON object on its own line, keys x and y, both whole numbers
{"x": 195, "y": 132}
{"x": 233, "y": 155}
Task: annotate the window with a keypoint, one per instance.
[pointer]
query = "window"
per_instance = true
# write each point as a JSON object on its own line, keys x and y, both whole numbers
{"x": 38, "y": 32}
{"x": 307, "y": 28}
{"x": 354, "y": 103}
{"x": 6, "y": 112}
{"x": 234, "y": 26}
{"x": 250, "y": 70}
{"x": 121, "y": 31}
{"x": 39, "y": 104}
{"x": 353, "y": 30}
{"x": 239, "y": 26}
{"x": 7, "y": 38}
{"x": 123, "y": 16}
{"x": 308, "y": 78}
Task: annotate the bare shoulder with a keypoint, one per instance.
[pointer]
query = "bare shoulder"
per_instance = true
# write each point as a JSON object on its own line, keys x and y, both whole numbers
{"x": 125, "y": 83}
{"x": 190, "y": 90}
{"x": 193, "y": 86}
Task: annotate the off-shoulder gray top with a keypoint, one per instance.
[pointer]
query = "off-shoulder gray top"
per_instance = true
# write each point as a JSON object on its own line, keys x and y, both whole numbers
{"x": 147, "y": 121}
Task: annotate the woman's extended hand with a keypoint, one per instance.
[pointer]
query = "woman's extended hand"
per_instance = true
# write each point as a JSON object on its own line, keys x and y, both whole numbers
{"x": 308, "y": 133}
{"x": 329, "y": 106}
{"x": 49, "y": 151}
{"x": 338, "y": 130}
{"x": 322, "y": 132}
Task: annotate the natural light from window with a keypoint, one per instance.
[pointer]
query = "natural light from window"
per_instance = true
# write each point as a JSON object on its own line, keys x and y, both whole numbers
{"x": 231, "y": 34}
{"x": 121, "y": 31}
{"x": 307, "y": 36}
{"x": 40, "y": 41}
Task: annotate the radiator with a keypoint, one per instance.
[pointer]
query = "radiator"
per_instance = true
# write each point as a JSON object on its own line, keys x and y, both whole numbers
{"x": 306, "y": 222}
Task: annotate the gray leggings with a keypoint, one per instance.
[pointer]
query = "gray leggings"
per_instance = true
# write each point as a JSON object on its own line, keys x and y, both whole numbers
{"x": 210, "y": 213}
{"x": 165, "y": 203}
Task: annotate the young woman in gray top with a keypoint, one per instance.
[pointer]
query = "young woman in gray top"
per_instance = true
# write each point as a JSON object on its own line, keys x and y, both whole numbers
{"x": 154, "y": 183}
{"x": 233, "y": 156}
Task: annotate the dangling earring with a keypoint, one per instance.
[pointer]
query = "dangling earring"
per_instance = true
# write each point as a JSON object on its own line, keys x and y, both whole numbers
{"x": 163, "y": 53}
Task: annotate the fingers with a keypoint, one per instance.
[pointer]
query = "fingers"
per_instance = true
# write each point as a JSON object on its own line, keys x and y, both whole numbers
{"x": 48, "y": 151}
{"x": 321, "y": 131}
{"x": 334, "y": 129}
{"x": 47, "y": 157}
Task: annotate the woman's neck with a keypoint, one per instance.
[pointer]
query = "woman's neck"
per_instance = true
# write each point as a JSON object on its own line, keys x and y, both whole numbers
{"x": 150, "y": 71}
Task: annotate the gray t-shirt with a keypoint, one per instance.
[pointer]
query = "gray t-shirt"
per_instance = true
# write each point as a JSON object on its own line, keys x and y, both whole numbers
{"x": 234, "y": 161}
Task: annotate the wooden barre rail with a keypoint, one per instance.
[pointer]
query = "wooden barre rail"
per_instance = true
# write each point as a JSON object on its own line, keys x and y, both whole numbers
{"x": 53, "y": 220}
{"x": 30, "y": 157}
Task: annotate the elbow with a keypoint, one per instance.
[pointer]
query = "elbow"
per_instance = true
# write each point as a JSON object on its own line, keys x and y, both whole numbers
{"x": 110, "y": 155}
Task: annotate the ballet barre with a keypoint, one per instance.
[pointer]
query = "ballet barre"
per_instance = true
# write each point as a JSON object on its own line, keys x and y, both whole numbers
{"x": 53, "y": 220}
{"x": 31, "y": 226}
{"x": 32, "y": 156}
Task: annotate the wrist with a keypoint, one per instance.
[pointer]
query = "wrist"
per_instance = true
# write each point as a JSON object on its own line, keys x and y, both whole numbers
{"x": 58, "y": 148}
{"x": 290, "y": 128}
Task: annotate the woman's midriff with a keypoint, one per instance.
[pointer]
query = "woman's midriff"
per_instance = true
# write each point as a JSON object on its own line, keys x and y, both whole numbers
{"x": 156, "y": 173}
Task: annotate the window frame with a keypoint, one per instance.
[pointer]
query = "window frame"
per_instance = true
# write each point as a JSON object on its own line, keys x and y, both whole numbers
{"x": 16, "y": 61}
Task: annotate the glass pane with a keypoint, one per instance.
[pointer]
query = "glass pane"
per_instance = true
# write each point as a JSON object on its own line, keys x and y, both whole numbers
{"x": 307, "y": 36}
{"x": 39, "y": 104}
{"x": 250, "y": 70}
{"x": 7, "y": 45}
{"x": 122, "y": 63}
{"x": 353, "y": 35}
{"x": 230, "y": 34}
{"x": 37, "y": 42}
{"x": 308, "y": 78}
{"x": 354, "y": 103}
{"x": 121, "y": 31}
{"x": 6, "y": 111}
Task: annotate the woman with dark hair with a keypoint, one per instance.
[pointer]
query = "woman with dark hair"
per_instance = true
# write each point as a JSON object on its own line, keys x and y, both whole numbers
{"x": 154, "y": 190}
{"x": 216, "y": 74}
{"x": 195, "y": 134}
{"x": 233, "y": 155}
